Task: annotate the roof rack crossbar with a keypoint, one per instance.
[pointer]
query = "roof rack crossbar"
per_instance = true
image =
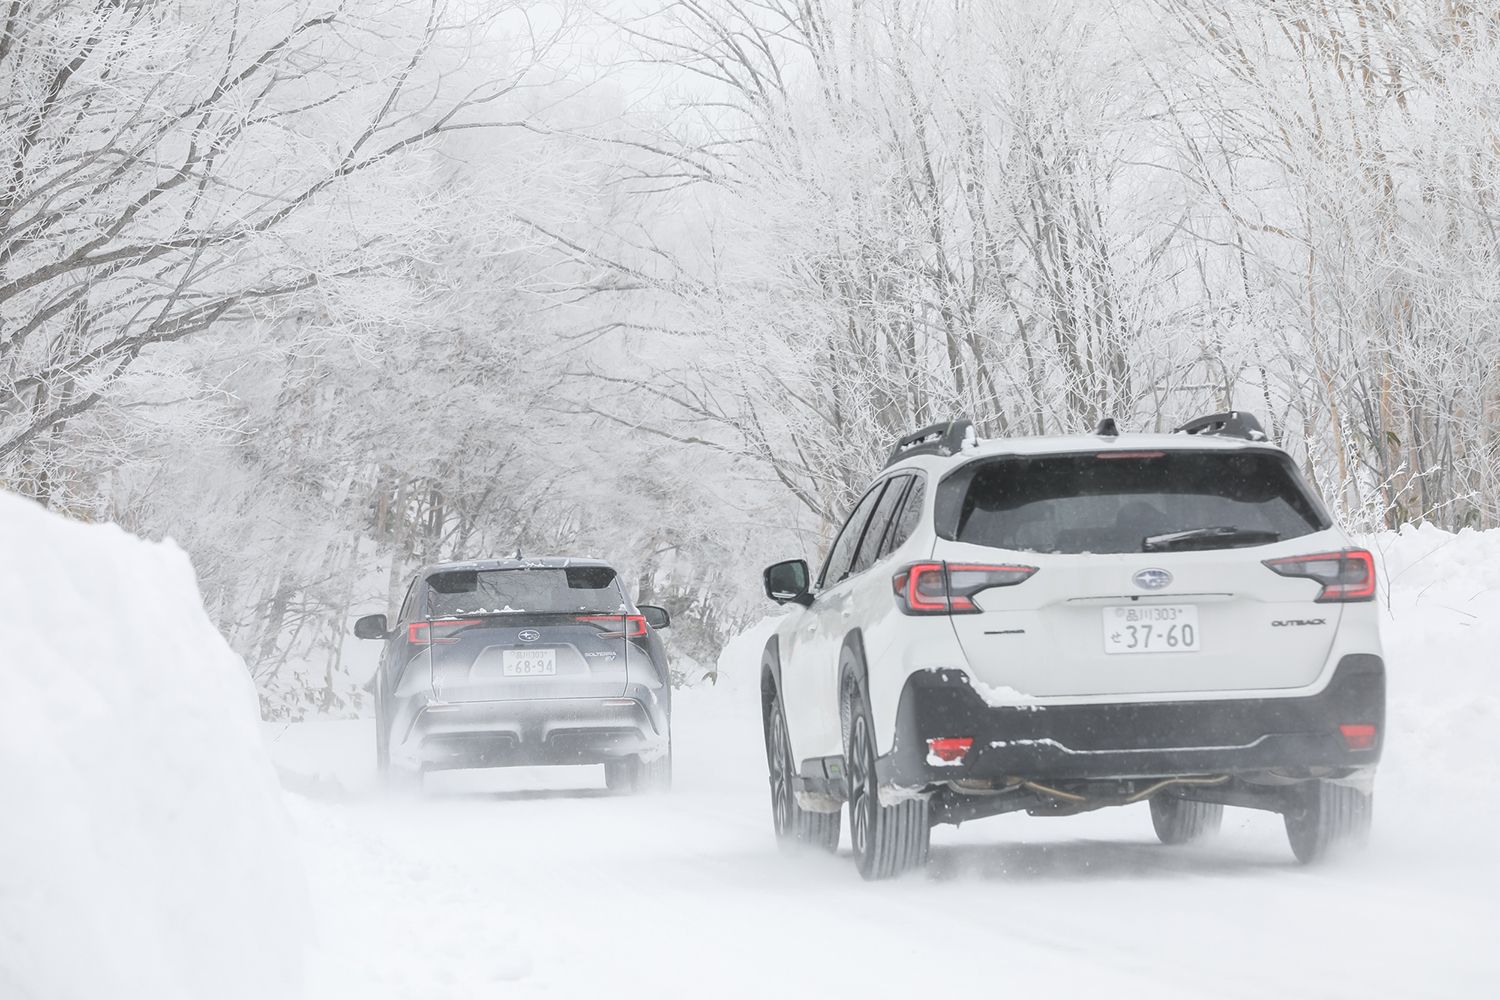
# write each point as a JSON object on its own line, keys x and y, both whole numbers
{"x": 939, "y": 439}
{"x": 1235, "y": 423}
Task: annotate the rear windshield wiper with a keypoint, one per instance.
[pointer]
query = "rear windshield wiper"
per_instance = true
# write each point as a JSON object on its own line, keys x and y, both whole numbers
{"x": 1208, "y": 538}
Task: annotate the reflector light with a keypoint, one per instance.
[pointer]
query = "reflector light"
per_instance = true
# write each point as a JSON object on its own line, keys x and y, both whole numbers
{"x": 950, "y": 749}
{"x": 635, "y": 625}
{"x": 1359, "y": 737}
{"x": 1345, "y": 576}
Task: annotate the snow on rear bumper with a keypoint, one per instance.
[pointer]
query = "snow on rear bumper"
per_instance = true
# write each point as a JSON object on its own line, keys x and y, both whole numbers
{"x": 1134, "y": 739}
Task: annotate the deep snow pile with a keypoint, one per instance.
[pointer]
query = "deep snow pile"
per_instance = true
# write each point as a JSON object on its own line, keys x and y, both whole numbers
{"x": 1441, "y": 633}
{"x": 147, "y": 850}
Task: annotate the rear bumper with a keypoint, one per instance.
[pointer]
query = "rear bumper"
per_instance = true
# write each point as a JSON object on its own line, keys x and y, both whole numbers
{"x": 540, "y": 731}
{"x": 1128, "y": 740}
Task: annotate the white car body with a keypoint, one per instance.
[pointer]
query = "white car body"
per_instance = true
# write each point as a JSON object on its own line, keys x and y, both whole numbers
{"x": 1059, "y": 658}
{"x": 1251, "y": 679}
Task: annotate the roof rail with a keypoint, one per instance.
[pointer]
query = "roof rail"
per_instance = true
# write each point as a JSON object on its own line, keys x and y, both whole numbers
{"x": 939, "y": 439}
{"x": 1235, "y": 423}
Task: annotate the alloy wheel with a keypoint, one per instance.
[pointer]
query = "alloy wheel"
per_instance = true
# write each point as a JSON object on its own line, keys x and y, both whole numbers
{"x": 861, "y": 784}
{"x": 781, "y": 778}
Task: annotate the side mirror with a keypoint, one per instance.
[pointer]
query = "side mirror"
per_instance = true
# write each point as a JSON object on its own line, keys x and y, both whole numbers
{"x": 789, "y": 582}
{"x": 655, "y": 617}
{"x": 371, "y": 627}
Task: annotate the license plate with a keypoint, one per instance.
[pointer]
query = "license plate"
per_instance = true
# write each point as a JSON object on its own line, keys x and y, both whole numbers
{"x": 528, "y": 662}
{"x": 1151, "y": 628}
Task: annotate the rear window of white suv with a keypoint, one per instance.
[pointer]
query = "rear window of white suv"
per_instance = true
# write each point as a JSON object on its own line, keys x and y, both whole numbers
{"x": 1148, "y": 501}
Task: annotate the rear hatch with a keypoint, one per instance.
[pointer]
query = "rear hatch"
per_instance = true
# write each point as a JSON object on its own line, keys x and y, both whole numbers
{"x": 1149, "y": 572}
{"x": 514, "y": 634}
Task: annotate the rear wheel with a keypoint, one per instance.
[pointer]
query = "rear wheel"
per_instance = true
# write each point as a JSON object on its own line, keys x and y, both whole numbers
{"x": 654, "y": 775}
{"x": 392, "y": 778}
{"x": 795, "y": 826}
{"x": 617, "y": 775}
{"x": 1182, "y": 821}
{"x": 888, "y": 840}
{"x": 631, "y": 774}
{"x": 1323, "y": 818}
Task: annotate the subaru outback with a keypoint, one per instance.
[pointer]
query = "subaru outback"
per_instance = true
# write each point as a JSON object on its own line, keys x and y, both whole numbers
{"x": 1063, "y": 623}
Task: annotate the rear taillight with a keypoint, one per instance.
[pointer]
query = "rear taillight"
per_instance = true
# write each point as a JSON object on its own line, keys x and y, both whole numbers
{"x": 922, "y": 589}
{"x": 948, "y": 588}
{"x": 1345, "y": 576}
{"x": 421, "y": 632}
{"x": 1359, "y": 737}
{"x": 634, "y": 625}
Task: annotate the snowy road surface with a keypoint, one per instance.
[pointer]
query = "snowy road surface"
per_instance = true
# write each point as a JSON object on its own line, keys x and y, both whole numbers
{"x": 574, "y": 892}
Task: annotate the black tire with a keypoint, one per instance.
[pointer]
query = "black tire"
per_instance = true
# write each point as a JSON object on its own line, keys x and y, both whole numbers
{"x": 635, "y": 776}
{"x": 1182, "y": 821}
{"x": 617, "y": 775}
{"x": 653, "y": 776}
{"x": 397, "y": 780}
{"x": 888, "y": 840}
{"x": 795, "y": 827}
{"x": 1323, "y": 818}
{"x": 382, "y": 741}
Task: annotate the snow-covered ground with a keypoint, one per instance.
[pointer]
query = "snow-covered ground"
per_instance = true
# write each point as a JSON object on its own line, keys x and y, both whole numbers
{"x": 538, "y": 883}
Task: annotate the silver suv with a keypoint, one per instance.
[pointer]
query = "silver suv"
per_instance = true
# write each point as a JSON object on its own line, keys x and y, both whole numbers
{"x": 502, "y": 662}
{"x": 1058, "y": 624}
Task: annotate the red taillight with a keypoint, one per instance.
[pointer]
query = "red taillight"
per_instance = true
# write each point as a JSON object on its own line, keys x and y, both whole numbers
{"x": 1359, "y": 737}
{"x": 921, "y": 590}
{"x": 634, "y": 625}
{"x": 1345, "y": 576}
{"x": 420, "y": 633}
{"x": 951, "y": 749}
{"x": 948, "y": 588}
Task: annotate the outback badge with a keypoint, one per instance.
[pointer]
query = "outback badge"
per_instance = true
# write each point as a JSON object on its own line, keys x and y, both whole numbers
{"x": 1152, "y": 579}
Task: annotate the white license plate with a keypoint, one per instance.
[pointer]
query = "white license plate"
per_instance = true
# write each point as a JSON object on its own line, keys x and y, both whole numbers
{"x": 528, "y": 662}
{"x": 1151, "y": 628}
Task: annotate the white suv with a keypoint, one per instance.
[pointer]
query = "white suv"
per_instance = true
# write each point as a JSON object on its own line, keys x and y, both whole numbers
{"x": 1058, "y": 624}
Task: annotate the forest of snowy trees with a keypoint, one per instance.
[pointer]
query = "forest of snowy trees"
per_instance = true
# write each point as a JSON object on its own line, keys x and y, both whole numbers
{"x": 325, "y": 290}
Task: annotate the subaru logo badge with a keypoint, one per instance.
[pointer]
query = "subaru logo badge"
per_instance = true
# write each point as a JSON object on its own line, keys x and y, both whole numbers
{"x": 532, "y": 635}
{"x": 1152, "y": 579}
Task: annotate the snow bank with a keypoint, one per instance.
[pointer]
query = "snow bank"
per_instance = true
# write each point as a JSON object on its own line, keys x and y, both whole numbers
{"x": 1441, "y": 633}
{"x": 147, "y": 850}
{"x": 739, "y": 661}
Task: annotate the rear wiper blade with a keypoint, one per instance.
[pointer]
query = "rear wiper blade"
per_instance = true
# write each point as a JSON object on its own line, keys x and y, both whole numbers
{"x": 1208, "y": 538}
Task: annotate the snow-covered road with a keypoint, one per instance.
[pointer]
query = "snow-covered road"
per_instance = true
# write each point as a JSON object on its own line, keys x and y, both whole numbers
{"x": 574, "y": 892}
